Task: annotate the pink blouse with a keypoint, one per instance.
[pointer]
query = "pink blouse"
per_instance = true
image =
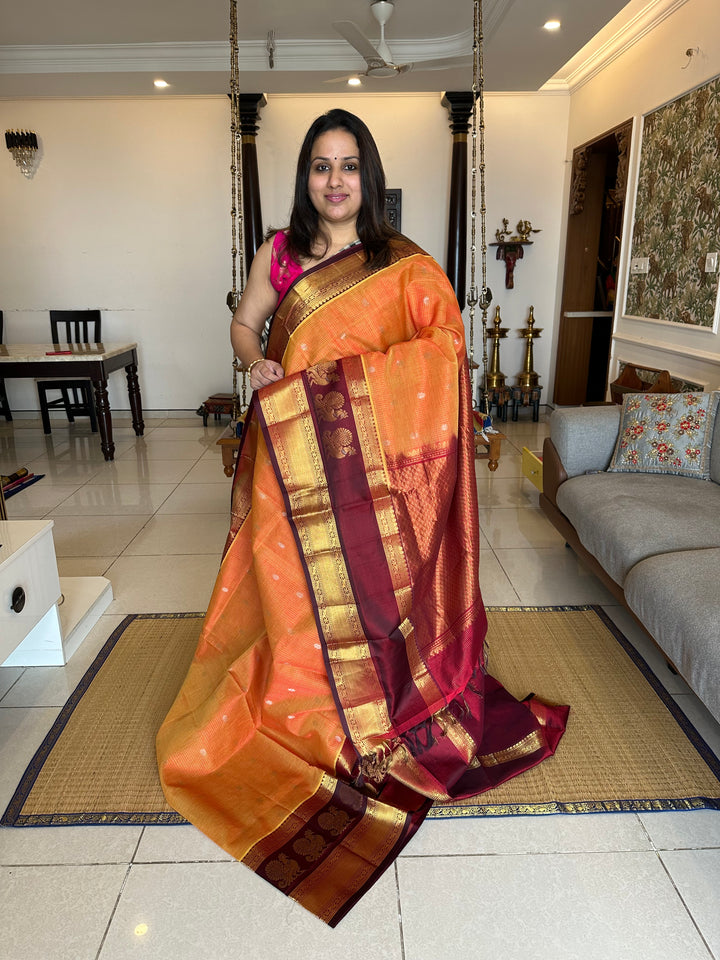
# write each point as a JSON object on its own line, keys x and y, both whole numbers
{"x": 283, "y": 270}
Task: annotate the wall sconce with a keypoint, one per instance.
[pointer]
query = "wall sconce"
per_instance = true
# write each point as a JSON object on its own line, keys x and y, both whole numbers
{"x": 510, "y": 247}
{"x": 23, "y": 145}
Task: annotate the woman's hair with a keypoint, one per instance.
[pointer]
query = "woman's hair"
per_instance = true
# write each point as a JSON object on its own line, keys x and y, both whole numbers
{"x": 372, "y": 227}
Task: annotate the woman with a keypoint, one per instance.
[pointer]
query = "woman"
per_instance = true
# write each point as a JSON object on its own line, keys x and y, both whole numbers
{"x": 339, "y": 684}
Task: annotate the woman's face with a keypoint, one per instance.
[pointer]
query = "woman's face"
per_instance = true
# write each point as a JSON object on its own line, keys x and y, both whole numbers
{"x": 334, "y": 180}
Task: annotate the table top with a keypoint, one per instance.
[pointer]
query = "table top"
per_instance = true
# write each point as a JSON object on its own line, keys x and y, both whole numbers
{"x": 16, "y": 535}
{"x": 32, "y": 352}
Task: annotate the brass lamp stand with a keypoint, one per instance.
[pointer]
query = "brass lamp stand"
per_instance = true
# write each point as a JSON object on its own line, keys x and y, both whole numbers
{"x": 528, "y": 389}
{"x": 495, "y": 377}
{"x": 498, "y": 392}
{"x": 528, "y": 378}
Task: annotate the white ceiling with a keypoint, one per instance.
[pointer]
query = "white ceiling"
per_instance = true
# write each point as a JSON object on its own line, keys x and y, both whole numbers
{"x": 100, "y": 48}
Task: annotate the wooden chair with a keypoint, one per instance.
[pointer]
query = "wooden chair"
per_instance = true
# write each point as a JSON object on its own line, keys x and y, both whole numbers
{"x": 76, "y": 395}
{"x": 4, "y": 405}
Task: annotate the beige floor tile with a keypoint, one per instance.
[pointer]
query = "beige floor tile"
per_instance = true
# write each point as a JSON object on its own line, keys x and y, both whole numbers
{"x": 517, "y": 527}
{"x": 95, "y": 536}
{"x": 177, "y": 844}
{"x": 115, "y": 499}
{"x": 142, "y": 471}
{"x": 18, "y": 451}
{"x": 509, "y": 465}
{"x": 58, "y": 912}
{"x": 594, "y": 906}
{"x": 21, "y": 733}
{"x": 213, "y": 453}
{"x": 182, "y": 584}
{"x": 167, "y": 449}
{"x": 83, "y": 566}
{"x": 503, "y": 836}
{"x": 8, "y": 677}
{"x": 185, "y": 430}
{"x": 696, "y": 874}
{"x": 170, "y": 535}
{"x": 552, "y": 575}
{"x": 198, "y": 498}
{"x": 208, "y": 471}
{"x": 87, "y": 448}
{"x": 186, "y": 906}
{"x": 52, "y": 686}
{"x": 496, "y": 588}
{"x": 39, "y": 500}
{"x": 496, "y": 491}
{"x": 150, "y": 420}
{"x": 58, "y": 471}
{"x": 25, "y": 846}
{"x": 683, "y": 830}
{"x": 192, "y": 419}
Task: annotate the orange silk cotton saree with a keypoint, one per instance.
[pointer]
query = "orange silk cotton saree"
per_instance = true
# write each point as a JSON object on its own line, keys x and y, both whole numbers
{"x": 339, "y": 684}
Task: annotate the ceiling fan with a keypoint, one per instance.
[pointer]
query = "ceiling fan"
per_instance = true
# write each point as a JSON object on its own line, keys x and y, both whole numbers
{"x": 378, "y": 57}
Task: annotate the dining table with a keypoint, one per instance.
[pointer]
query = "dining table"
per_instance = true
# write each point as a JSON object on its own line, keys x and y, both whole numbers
{"x": 74, "y": 361}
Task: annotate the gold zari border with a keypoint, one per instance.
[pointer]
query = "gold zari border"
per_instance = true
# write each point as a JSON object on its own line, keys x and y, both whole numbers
{"x": 532, "y": 742}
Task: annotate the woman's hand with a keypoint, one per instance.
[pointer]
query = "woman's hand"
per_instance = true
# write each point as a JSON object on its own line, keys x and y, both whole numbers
{"x": 265, "y": 372}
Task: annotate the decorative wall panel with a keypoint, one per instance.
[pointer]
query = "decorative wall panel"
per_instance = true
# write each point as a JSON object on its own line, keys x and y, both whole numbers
{"x": 677, "y": 211}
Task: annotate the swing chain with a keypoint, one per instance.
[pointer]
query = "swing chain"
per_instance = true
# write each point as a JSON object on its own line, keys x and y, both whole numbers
{"x": 483, "y": 297}
{"x": 237, "y": 203}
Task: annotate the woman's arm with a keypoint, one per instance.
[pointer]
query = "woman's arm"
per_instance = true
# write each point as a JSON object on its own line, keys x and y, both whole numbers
{"x": 257, "y": 303}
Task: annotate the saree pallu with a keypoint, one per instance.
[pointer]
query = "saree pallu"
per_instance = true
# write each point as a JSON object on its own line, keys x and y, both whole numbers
{"x": 339, "y": 685}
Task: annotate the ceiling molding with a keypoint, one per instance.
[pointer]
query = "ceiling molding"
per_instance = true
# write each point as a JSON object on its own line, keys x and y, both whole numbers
{"x": 493, "y": 16}
{"x": 290, "y": 55}
{"x": 600, "y": 57}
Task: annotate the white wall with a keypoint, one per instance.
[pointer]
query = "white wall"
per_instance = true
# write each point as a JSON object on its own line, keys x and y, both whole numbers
{"x": 646, "y": 76}
{"x": 525, "y": 179}
{"x": 129, "y": 212}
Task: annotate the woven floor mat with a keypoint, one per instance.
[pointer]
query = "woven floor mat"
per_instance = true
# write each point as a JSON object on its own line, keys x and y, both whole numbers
{"x": 627, "y": 746}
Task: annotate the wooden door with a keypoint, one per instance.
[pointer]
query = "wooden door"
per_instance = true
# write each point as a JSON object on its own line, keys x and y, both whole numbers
{"x": 592, "y": 252}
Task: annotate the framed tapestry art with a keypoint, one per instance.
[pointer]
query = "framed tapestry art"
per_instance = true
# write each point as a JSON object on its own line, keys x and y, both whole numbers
{"x": 677, "y": 217}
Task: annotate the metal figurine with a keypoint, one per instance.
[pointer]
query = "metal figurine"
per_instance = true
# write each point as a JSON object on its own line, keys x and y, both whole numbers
{"x": 510, "y": 246}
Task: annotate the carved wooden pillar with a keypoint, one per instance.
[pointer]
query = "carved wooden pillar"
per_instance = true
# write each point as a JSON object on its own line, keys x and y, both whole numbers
{"x": 459, "y": 106}
{"x": 250, "y": 106}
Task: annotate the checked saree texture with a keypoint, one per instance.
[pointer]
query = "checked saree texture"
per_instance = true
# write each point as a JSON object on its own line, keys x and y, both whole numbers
{"x": 339, "y": 684}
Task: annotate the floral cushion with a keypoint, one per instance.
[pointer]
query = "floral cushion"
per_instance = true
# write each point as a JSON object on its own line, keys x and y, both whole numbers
{"x": 666, "y": 433}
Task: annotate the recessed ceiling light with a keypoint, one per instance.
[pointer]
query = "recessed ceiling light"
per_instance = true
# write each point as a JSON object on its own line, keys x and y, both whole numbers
{"x": 551, "y": 25}
{"x": 354, "y": 82}
{"x": 161, "y": 83}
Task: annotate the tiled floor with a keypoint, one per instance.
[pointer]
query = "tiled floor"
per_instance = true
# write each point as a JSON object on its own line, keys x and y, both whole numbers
{"x": 611, "y": 887}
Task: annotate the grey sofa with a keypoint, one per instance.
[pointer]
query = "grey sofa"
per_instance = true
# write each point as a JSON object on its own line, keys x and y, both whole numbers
{"x": 653, "y": 539}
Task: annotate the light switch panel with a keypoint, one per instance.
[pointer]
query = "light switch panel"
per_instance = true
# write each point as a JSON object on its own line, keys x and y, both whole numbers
{"x": 711, "y": 263}
{"x": 640, "y": 265}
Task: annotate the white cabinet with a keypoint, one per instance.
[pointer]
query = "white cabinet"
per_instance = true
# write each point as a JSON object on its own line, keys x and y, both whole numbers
{"x": 29, "y": 582}
{"x": 43, "y": 619}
